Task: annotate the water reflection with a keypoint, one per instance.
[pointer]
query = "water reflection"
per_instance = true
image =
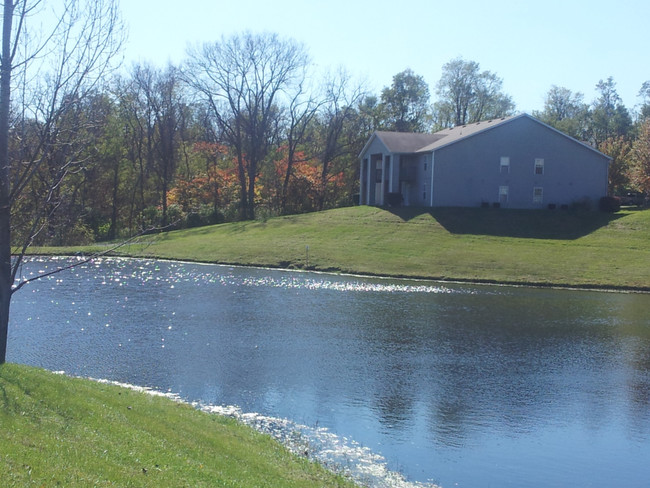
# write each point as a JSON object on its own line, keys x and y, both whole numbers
{"x": 468, "y": 386}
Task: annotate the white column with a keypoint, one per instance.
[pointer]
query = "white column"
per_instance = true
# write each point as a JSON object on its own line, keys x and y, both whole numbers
{"x": 371, "y": 179}
{"x": 384, "y": 175}
{"x": 433, "y": 167}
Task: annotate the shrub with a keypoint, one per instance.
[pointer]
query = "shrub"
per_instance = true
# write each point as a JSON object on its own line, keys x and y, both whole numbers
{"x": 204, "y": 215}
{"x": 609, "y": 204}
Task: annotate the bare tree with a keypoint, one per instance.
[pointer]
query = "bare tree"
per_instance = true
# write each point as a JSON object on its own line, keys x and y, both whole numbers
{"x": 54, "y": 74}
{"x": 160, "y": 113}
{"x": 302, "y": 110}
{"x": 243, "y": 79}
{"x": 342, "y": 98}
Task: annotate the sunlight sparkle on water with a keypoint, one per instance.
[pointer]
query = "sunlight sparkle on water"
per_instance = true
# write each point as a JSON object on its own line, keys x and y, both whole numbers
{"x": 148, "y": 271}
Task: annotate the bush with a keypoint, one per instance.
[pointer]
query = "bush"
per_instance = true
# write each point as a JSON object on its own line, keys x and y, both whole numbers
{"x": 609, "y": 204}
{"x": 205, "y": 215}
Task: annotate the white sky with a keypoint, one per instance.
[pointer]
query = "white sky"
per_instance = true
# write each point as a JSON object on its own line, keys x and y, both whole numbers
{"x": 531, "y": 45}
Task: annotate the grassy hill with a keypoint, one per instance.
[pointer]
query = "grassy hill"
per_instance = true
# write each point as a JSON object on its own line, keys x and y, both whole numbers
{"x": 488, "y": 245}
{"x": 60, "y": 431}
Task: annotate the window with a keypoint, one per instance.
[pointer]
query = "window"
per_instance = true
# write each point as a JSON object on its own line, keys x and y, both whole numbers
{"x": 505, "y": 165}
{"x": 538, "y": 194}
{"x": 503, "y": 194}
{"x": 539, "y": 166}
{"x": 378, "y": 175}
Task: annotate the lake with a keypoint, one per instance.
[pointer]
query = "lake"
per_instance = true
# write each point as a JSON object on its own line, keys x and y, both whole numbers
{"x": 453, "y": 384}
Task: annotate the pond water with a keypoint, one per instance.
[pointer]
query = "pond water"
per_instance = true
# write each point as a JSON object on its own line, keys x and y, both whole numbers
{"x": 457, "y": 385}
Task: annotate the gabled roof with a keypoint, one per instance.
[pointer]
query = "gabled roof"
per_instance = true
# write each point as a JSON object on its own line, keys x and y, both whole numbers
{"x": 449, "y": 136}
{"x": 410, "y": 142}
{"x": 401, "y": 142}
{"x": 406, "y": 142}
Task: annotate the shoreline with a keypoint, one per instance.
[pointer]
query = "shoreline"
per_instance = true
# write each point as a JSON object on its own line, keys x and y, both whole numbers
{"x": 339, "y": 272}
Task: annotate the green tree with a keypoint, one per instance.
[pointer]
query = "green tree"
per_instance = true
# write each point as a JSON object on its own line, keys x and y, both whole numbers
{"x": 104, "y": 191}
{"x": 467, "y": 94}
{"x": 566, "y": 111}
{"x": 644, "y": 93}
{"x": 370, "y": 116}
{"x": 406, "y": 103}
{"x": 610, "y": 118}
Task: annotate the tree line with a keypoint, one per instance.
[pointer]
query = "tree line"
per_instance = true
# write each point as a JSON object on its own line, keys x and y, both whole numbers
{"x": 242, "y": 129}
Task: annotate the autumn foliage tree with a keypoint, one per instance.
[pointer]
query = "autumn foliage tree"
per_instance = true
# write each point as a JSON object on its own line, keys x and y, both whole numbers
{"x": 619, "y": 173}
{"x": 641, "y": 159}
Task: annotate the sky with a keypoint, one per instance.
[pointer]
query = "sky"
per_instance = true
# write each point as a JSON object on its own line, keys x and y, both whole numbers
{"x": 530, "y": 45}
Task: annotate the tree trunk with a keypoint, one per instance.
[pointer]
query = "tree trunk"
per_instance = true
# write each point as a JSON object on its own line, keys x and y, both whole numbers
{"x": 112, "y": 232}
{"x": 251, "y": 195}
{"x": 5, "y": 204}
{"x": 243, "y": 194}
{"x": 285, "y": 184}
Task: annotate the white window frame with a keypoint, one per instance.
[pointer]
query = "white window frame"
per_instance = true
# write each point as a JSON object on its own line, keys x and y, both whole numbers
{"x": 503, "y": 194}
{"x": 505, "y": 164}
{"x": 538, "y": 194}
{"x": 538, "y": 169}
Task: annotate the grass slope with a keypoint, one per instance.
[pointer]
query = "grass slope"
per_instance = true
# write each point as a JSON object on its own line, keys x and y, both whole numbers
{"x": 494, "y": 245}
{"x": 60, "y": 431}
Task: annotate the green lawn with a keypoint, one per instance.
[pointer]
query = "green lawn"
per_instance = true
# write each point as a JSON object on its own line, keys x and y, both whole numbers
{"x": 60, "y": 431}
{"x": 493, "y": 245}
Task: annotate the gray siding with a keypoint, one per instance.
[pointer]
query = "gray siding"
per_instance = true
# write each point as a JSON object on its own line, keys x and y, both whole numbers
{"x": 468, "y": 172}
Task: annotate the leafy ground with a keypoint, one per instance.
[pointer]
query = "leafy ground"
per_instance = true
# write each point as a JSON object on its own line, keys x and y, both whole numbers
{"x": 59, "y": 431}
{"x": 542, "y": 247}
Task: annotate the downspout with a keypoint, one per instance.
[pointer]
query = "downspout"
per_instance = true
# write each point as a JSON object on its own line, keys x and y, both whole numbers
{"x": 433, "y": 165}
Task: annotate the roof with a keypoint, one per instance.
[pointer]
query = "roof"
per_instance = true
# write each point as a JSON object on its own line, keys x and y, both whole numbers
{"x": 410, "y": 142}
{"x": 406, "y": 142}
{"x": 449, "y": 136}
